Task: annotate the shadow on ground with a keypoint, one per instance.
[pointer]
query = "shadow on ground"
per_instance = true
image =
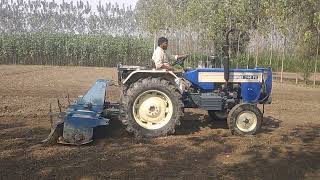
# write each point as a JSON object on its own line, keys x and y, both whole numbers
{"x": 270, "y": 124}
{"x": 191, "y": 123}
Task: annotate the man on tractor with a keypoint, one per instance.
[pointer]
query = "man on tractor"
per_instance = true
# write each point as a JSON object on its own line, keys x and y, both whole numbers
{"x": 160, "y": 56}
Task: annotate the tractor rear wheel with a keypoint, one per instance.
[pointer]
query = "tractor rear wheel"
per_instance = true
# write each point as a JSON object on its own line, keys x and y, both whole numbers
{"x": 245, "y": 119}
{"x": 151, "y": 107}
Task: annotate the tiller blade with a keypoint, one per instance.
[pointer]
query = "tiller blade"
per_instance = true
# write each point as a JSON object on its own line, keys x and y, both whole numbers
{"x": 75, "y": 126}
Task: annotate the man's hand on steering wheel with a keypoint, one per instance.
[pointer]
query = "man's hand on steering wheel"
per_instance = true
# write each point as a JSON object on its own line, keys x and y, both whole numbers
{"x": 180, "y": 59}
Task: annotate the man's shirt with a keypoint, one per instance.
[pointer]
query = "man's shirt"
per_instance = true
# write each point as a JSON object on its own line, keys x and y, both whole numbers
{"x": 160, "y": 57}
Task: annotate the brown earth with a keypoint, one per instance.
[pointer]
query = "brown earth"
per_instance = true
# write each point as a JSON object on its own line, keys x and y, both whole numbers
{"x": 288, "y": 147}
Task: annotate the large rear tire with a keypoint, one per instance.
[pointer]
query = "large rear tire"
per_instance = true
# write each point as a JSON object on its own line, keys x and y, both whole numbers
{"x": 151, "y": 107}
{"x": 245, "y": 119}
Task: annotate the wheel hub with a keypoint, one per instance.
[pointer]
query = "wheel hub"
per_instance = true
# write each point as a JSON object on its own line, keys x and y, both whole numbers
{"x": 246, "y": 121}
{"x": 152, "y": 109}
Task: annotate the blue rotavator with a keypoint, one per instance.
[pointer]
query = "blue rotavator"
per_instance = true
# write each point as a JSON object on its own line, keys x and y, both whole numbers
{"x": 153, "y": 101}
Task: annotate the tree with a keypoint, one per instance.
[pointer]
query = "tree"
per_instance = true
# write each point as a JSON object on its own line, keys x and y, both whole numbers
{"x": 317, "y": 24}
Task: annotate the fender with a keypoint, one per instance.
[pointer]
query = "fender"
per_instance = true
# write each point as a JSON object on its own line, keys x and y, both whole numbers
{"x": 168, "y": 75}
{"x": 135, "y": 75}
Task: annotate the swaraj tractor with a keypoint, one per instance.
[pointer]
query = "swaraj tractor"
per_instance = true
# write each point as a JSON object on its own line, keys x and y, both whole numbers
{"x": 153, "y": 101}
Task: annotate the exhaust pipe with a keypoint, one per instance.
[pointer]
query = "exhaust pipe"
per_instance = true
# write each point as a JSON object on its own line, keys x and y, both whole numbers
{"x": 226, "y": 58}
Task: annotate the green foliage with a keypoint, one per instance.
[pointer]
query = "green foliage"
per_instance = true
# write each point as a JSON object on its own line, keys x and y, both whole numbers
{"x": 22, "y": 16}
{"x": 296, "y": 22}
{"x": 194, "y": 59}
{"x": 71, "y": 49}
{"x": 71, "y": 33}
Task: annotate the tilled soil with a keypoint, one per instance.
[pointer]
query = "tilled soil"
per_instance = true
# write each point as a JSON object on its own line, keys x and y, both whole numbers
{"x": 288, "y": 147}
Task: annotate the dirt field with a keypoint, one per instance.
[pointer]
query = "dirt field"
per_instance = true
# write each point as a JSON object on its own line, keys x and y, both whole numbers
{"x": 287, "y": 148}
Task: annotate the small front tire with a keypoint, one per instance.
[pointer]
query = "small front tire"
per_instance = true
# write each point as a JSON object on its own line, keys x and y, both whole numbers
{"x": 245, "y": 119}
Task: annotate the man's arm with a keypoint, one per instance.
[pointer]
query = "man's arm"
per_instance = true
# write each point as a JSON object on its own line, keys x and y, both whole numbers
{"x": 166, "y": 66}
{"x": 176, "y": 57}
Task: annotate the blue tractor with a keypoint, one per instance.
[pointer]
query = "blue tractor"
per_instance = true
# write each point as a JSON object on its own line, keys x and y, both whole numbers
{"x": 153, "y": 101}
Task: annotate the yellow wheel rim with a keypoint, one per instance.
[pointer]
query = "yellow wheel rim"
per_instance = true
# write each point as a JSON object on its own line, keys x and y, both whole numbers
{"x": 152, "y": 109}
{"x": 246, "y": 121}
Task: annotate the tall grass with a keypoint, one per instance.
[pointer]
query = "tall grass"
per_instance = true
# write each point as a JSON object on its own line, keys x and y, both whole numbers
{"x": 71, "y": 49}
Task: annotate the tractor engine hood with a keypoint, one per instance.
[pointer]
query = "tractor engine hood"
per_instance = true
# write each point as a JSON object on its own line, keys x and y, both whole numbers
{"x": 256, "y": 84}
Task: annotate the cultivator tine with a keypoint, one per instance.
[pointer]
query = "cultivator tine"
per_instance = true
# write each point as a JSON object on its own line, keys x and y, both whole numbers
{"x": 59, "y": 105}
{"x": 68, "y": 98}
{"x": 56, "y": 126}
{"x": 50, "y": 114}
{"x": 55, "y": 134}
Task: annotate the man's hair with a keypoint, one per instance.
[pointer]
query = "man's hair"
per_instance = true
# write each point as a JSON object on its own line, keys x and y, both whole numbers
{"x": 162, "y": 40}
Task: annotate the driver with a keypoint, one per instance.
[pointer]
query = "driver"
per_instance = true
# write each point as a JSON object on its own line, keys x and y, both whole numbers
{"x": 160, "y": 57}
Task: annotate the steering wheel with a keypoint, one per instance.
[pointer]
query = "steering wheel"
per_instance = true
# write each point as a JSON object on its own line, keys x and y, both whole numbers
{"x": 180, "y": 60}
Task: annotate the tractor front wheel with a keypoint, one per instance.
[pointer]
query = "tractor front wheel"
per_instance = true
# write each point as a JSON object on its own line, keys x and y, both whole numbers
{"x": 245, "y": 119}
{"x": 151, "y": 107}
